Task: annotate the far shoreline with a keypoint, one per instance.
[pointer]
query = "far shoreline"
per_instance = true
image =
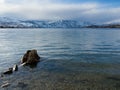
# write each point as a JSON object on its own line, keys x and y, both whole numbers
{"x": 59, "y": 28}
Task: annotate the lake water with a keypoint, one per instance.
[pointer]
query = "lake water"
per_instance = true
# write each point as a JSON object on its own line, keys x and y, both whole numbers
{"x": 70, "y": 58}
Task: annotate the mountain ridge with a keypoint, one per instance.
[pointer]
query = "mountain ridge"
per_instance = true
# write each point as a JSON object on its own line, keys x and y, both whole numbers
{"x": 6, "y": 22}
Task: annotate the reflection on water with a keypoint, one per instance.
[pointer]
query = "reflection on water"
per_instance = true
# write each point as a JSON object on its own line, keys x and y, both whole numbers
{"x": 71, "y": 58}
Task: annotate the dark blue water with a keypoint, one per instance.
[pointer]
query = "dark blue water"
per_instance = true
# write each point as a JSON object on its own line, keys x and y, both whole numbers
{"x": 90, "y": 46}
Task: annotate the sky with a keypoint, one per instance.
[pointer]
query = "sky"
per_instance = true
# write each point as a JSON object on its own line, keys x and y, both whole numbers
{"x": 96, "y": 11}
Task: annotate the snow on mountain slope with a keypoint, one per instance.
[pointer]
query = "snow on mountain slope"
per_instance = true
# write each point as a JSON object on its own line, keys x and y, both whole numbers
{"x": 13, "y": 22}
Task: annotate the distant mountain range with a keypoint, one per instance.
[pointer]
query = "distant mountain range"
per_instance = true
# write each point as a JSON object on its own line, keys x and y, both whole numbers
{"x": 6, "y": 22}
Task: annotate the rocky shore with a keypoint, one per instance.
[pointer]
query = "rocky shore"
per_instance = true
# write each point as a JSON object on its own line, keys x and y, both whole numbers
{"x": 31, "y": 57}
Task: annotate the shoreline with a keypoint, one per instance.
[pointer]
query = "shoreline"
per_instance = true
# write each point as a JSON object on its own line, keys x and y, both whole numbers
{"x": 58, "y": 78}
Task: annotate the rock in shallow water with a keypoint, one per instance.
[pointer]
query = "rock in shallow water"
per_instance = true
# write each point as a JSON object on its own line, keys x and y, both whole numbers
{"x": 30, "y": 57}
{"x": 9, "y": 71}
{"x": 15, "y": 68}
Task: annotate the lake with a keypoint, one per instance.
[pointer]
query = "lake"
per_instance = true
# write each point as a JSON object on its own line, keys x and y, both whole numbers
{"x": 71, "y": 59}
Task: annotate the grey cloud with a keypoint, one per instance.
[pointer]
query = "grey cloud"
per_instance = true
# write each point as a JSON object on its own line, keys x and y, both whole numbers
{"x": 47, "y": 9}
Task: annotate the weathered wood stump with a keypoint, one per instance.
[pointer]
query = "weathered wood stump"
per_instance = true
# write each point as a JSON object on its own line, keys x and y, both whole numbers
{"x": 30, "y": 57}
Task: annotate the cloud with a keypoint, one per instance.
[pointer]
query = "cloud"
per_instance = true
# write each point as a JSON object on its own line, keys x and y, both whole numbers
{"x": 54, "y": 11}
{"x": 50, "y": 9}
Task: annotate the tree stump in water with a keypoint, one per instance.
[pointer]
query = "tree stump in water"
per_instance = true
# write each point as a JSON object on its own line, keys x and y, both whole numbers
{"x": 30, "y": 57}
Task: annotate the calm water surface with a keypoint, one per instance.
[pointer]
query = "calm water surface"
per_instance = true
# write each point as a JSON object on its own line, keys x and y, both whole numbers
{"x": 62, "y": 51}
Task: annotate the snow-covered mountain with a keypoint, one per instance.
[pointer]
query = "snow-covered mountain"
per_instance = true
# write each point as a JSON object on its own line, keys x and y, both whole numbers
{"x": 6, "y": 22}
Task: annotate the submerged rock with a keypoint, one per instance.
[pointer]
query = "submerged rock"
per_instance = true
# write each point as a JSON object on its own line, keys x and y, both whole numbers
{"x": 9, "y": 71}
{"x": 21, "y": 84}
{"x": 15, "y": 68}
{"x": 5, "y": 85}
{"x": 1, "y": 75}
{"x": 30, "y": 57}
